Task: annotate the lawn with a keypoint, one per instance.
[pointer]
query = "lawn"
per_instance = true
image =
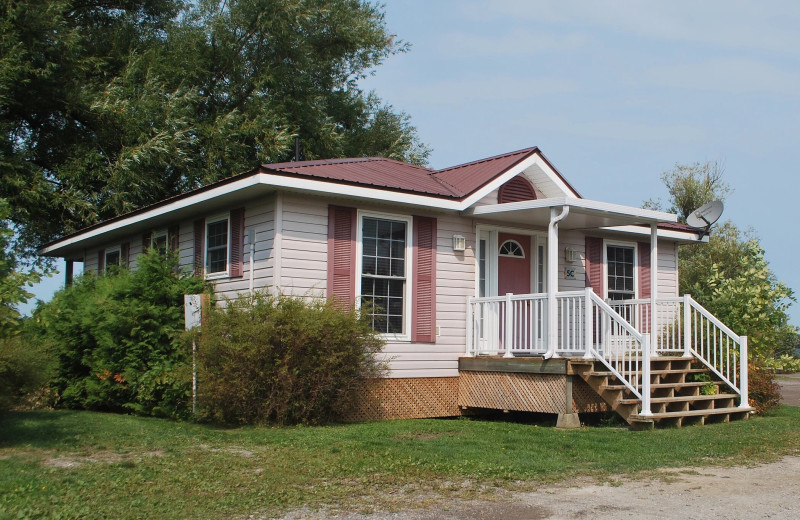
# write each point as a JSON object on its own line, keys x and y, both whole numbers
{"x": 81, "y": 464}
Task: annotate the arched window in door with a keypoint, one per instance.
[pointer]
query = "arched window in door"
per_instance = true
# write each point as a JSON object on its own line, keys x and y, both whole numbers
{"x": 511, "y": 248}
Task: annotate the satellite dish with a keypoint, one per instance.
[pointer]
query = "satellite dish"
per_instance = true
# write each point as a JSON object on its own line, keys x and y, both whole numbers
{"x": 705, "y": 216}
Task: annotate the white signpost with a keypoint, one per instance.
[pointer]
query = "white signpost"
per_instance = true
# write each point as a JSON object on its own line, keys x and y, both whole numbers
{"x": 193, "y": 311}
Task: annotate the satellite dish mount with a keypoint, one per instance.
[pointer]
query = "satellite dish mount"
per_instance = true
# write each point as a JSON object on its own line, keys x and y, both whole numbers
{"x": 705, "y": 216}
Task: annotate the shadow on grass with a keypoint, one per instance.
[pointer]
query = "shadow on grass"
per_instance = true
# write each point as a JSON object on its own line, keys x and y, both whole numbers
{"x": 39, "y": 429}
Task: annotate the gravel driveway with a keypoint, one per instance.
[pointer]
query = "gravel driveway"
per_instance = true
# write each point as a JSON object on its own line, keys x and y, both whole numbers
{"x": 766, "y": 491}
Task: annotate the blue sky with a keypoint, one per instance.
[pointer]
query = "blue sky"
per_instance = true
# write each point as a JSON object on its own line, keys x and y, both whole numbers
{"x": 614, "y": 93}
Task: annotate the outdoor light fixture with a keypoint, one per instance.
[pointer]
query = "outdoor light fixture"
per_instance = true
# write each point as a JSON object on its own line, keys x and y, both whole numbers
{"x": 570, "y": 255}
{"x": 459, "y": 243}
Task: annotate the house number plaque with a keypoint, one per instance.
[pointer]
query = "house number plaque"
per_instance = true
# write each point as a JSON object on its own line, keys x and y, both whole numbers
{"x": 569, "y": 273}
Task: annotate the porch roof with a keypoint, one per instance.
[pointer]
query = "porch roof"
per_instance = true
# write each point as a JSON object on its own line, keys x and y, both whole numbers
{"x": 583, "y": 214}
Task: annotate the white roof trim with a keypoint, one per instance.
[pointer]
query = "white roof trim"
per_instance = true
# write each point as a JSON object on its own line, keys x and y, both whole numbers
{"x": 682, "y": 236}
{"x": 264, "y": 179}
{"x": 376, "y": 193}
{"x": 556, "y": 178}
{"x": 155, "y": 212}
{"x": 534, "y": 160}
{"x": 640, "y": 214}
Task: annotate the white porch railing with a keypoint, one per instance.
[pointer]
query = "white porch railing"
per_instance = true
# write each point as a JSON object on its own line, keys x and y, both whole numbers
{"x": 612, "y": 332}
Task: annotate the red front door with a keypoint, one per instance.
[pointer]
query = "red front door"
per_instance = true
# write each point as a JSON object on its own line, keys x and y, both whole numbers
{"x": 513, "y": 264}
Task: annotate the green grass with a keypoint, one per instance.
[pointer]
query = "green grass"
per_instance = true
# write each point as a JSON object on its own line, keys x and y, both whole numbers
{"x": 81, "y": 464}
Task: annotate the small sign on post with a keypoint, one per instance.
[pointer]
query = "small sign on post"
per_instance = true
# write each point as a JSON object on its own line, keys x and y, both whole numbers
{"x": 193, "y": 314}
{"x": 193, "y": 310}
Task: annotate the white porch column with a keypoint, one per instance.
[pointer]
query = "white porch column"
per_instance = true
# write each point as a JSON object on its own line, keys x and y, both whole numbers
{"x": 653, "y": 286}
{"x": 552, "y": 279}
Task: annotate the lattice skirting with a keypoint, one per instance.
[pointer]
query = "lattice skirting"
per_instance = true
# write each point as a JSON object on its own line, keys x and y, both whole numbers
{"x": 544, "y": 393}
{"x": 407, "y": 398}
{"x": 415, "y": 398}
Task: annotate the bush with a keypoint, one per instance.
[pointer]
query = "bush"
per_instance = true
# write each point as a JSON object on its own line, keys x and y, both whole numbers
{"x": 785, "y": 364}
{"x": 764, "y": 391}
{"x": 23, "y": 370}
{"x": 118, "y": 339}
{"x": 283, "y": 360}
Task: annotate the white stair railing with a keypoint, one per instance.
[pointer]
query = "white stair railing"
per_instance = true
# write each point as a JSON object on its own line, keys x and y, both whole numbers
{"x": 623, "y": 350}
{"x": 718, "y": 347}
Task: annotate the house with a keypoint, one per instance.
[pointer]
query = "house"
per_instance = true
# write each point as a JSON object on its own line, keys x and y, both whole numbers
{"x": 495, "y": 283}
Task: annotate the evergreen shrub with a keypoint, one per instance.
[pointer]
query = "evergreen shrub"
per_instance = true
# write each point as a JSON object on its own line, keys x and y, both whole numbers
{"x": 283, "y": 360}
{"x": 119, "y": 340}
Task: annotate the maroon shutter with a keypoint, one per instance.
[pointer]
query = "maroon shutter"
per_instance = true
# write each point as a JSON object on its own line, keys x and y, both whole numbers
{"x": 423, "y": 327}
{"x": 594, "y": 265}
{"x": 237, "y": 242}
{"x": 174, "y": 237}
{"x": 516, "y": 190}
{"x": 342, "y": 254}
{"x": 199, "y": 242}
{"x": 147, "y": 242}
{"x": 644, "y": 270}
{"x": 125, "y": 253}
{"x": 101, "y": 261}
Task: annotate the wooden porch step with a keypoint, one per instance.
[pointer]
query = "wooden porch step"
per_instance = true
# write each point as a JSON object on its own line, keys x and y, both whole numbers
{"x": 654, "y": 372}
{"x": 691, "y": 413}
{"x": 680, "y": 399}
{"x": 677, "y": 386}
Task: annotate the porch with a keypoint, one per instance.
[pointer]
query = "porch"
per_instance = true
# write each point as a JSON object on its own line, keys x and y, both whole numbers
{"x": 657, "y": 360}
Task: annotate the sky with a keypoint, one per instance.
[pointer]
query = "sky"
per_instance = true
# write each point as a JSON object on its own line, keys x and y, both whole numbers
{"x": 614, "y": 93}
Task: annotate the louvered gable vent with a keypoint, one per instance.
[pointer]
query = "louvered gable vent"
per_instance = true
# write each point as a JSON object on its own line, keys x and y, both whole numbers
{"x": 516, "y": 190}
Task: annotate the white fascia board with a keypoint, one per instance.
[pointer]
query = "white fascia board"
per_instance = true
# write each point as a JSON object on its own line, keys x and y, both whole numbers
{"x": 191, "y": 200}
{"x": 556, "y": 178}
{"x": 362, "y": 192}
{"x": 507, "y": 176}
{"x": 265, "y": 179}
{"x": 680, "y": 236}
{"x": 639, "y": 214}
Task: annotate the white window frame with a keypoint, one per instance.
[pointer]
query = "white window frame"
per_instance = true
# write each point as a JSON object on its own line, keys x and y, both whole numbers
{"x": 409, "y": 268}
{"x": 616, "y": 243}
{"x": 115, "y": 249}
{"x": 508, "y": 255}
{"x": 212, "y": 220}
{"x": 156, "y": 235}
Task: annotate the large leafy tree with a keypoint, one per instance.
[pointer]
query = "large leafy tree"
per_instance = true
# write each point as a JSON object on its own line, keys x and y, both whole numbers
{"x": 108, "y": 105}
{"x": 729, "y": 275}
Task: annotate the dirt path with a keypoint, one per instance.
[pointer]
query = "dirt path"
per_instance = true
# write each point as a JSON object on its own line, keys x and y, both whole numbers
{"x": 767, "y": 491}
{"x": 790, "y": 388}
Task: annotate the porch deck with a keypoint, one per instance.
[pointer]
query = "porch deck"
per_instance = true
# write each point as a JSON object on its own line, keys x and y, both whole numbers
{"x": 648, "y": 360}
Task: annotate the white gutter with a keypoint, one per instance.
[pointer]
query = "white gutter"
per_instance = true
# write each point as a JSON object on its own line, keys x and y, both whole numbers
{"x": 552, "y": 279}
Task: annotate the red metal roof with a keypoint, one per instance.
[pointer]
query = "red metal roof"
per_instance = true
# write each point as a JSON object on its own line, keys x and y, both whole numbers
{"x": 454, "y": 182}
{"x": 370, "y": 171}
{"x": 466, "y": 178}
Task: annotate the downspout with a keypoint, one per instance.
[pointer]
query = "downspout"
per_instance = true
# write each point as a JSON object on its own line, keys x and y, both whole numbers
{"x": 552, "y": 279}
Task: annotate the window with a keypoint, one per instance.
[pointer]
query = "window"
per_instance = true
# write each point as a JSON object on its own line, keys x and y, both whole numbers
{"x": 511, "y": 248}
{"x": 482, "y": 267}
{"x": 217, "y": 246}
{"x": 384, "y": 264}
{"x": 620, "y": 262}
{"x": 159, "y": 241}
{"x": 113, "y": 257}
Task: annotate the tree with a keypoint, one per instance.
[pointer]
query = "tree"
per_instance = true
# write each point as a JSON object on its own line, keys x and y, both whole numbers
{"x": 729, "y": 275}
{"x": 691, "y": 186}
{"x": 13, "y": 278}
{"x": 106, "y": 106}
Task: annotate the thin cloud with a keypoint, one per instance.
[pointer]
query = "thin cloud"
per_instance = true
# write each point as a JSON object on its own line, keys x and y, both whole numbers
{"x": 518, "y": 42}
